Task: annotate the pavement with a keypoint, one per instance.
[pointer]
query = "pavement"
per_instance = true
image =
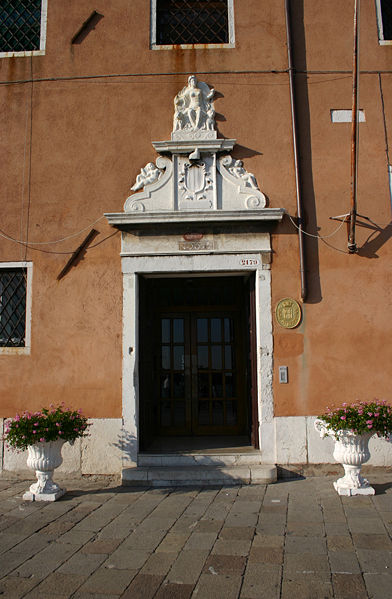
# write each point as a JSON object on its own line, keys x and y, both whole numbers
{"x": 295, "y": 538}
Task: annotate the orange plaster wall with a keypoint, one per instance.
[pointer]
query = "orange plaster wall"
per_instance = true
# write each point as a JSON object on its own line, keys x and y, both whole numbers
{"x": 341, "y": 351}
{"x": 90, "y": 137}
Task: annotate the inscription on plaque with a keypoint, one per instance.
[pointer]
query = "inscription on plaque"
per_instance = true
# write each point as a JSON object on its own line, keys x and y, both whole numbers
{"x": 195, "y": 246}
{"x": 288, "y": 313}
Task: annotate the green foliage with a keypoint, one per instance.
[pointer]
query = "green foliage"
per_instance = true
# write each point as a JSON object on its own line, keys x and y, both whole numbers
{"x": 49, "y": 424}
{"x": 361, "y": 417}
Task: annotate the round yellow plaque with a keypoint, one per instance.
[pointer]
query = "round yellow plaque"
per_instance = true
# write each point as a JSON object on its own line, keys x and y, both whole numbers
{"x": 288, "y": 313}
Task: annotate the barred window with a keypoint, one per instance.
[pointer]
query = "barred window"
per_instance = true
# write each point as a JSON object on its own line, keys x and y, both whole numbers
{"x": 384, "y": 18}
{"x": 15, "y": 307}
{"x": 12, "y": 307}
{"x": 22, "y": 26}
{"x": 190, "y": 22}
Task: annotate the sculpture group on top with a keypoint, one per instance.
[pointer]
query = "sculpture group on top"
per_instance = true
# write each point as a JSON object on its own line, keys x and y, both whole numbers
{"x": 194, "y": 108}
{"x": 198, "y": 174}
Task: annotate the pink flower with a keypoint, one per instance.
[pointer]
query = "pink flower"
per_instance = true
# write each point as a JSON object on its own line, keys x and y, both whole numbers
{"x": 343, "y": 418}
{"x": 42, "y": 439}
{"x": 76, "y": 430}
{"x": 344, "y": 404}
{"x": 369, "y": 422}
{"x": 370, "y": 413}
{"x": 36, "y": 424}
{"x": 17, "y": 417}
{"x": 370, "y": 426}
{"x": 60, "y": 432}
{"x": 58, "y": 424}
{"x": 360, "y": 411}
{"x": 34, "y": 432}
{"x": 376, "y": 414}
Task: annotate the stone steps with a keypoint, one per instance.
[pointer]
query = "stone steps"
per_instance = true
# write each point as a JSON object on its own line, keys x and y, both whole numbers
{"x": 199, "y": 474}
{"x": 199, "y": 459}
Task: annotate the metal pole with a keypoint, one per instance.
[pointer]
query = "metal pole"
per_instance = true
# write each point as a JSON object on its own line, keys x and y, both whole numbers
{"x": 304, "y": 291}
{"x": 352, "y": 246}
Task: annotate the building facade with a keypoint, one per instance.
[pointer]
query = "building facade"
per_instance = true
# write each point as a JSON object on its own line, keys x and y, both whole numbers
{"x": 173, "y": 249}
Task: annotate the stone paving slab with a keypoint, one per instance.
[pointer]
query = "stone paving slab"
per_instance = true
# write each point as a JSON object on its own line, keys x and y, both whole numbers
{"x": 292, "y": 538}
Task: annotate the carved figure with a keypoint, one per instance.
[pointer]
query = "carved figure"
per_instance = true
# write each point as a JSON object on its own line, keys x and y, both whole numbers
{"x": 193, "y": 107}
{"x": 149, "y": 174}
{"x": 238, "y": 171}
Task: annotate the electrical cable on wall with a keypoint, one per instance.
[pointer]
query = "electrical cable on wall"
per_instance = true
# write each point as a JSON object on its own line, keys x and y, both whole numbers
{"x": 23, "y": 243}
{"x": 238, "y": 72}
{"x": 10, "y": 238}
{"x": 319, "y": 236}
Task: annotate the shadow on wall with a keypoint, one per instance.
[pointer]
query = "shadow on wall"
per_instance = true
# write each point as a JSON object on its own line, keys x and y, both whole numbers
{"x": 305, "y": 151}
{"x": 375, "y": 240}
{"x": 127, "y": 444}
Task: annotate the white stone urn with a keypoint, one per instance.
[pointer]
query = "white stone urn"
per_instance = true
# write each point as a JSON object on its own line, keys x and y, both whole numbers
{"x": 44, "y": 457}
{"x": 351, "y": 450}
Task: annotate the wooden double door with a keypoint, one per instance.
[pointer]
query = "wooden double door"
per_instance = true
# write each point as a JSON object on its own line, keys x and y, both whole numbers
{"x": 194, "y": 357}
{"x": 199, "y": 388}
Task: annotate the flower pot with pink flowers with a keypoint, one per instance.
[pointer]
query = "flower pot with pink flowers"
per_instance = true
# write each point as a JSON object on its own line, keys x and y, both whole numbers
{"x": 43, "y": 434}
{"x": 352, "y": 426}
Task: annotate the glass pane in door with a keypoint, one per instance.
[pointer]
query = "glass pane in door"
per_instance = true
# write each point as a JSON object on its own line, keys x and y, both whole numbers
{"x": 172, "y": 391}
{"x": 217, "y": 405}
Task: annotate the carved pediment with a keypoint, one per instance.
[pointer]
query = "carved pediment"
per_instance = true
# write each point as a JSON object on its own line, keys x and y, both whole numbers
{"x": 196, "y": 174}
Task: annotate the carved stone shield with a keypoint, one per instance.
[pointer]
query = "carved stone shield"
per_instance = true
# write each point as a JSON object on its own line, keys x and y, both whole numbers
{"x": 194, "y": 177}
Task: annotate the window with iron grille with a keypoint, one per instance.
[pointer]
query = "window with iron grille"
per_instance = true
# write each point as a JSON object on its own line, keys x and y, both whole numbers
{"x": 22, "y": 27}
{"x": 12, "y": 307}
{"x": 384, "y": 18}
{"x": 192, "y": 22}
{"x": 15, "y": 306}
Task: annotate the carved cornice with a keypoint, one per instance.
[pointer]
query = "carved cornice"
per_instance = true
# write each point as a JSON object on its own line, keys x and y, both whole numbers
{"x": 186, "y": 146}
{"x": 123, "y": 220}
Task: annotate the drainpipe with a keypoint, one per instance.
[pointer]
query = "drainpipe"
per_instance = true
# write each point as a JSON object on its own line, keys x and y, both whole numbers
{"x": 352, "y": 246}
{"x": 304, "y": 290}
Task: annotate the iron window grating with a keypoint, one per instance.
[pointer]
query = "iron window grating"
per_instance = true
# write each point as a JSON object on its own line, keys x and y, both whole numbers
{"x": 386, "y": 16}
{"x": 181, "y": 22}
{"x": 20, "y": 25}
{"x": 13, "y": 307}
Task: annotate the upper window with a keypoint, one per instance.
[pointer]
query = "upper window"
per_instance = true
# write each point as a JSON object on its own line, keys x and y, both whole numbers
{"x": 15, "y": 300}
{"x": 22, "y": 27}
{"x": 189, "y": 23}
{"x": 384, "y": 19}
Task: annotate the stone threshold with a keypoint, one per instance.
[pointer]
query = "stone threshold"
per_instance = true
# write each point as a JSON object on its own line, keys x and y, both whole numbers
{"x": 221, "y": 458}
{"x": 199, "y": 475}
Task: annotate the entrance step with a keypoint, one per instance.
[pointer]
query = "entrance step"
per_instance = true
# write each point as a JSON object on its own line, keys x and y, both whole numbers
{"x": 199, "y": 475}
{"x": 199, "y": 459}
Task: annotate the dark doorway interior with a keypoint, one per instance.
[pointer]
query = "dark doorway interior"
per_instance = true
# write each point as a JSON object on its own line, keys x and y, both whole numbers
{"x": 195, "y": 360}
